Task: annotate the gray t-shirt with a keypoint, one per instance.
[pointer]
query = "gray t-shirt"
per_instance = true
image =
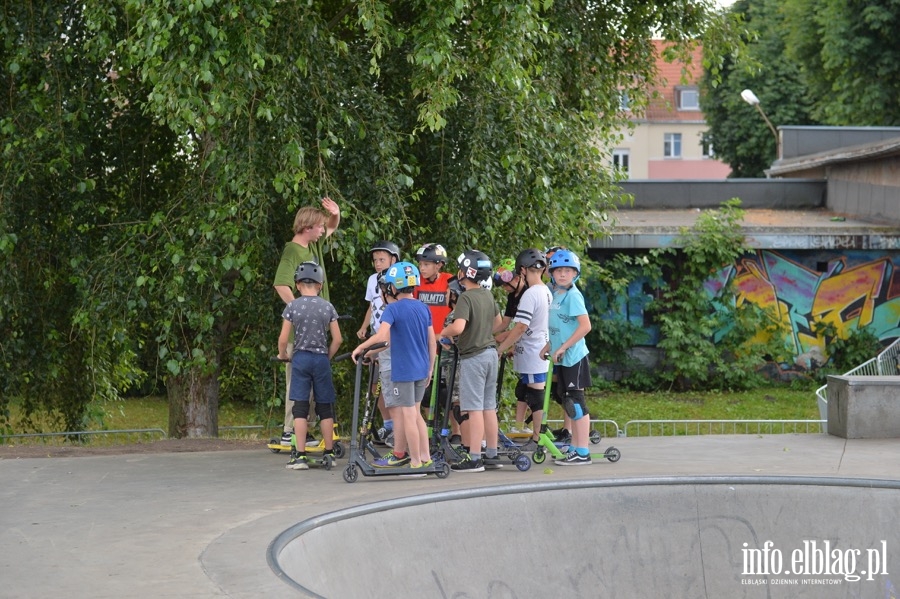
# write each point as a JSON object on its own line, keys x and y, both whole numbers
{"x": 311, "y": 317}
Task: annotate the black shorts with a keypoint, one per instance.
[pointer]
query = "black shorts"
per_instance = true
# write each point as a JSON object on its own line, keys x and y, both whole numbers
{"x": 573, "y": 377}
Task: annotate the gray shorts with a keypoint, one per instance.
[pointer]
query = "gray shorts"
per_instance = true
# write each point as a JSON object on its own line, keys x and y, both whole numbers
{"x": 405, "y": 394}
{"x": 478, "y": 381}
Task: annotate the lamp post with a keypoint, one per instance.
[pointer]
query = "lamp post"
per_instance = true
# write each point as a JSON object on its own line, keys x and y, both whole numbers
{"x": 750, "y": 98}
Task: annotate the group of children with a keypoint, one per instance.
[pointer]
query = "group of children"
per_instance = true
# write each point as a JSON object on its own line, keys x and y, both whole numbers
{"x": 410, "y": 310}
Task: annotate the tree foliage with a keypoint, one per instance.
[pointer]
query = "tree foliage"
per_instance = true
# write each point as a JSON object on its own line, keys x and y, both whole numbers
{"x": 737, "y": 131}
{"x": 155, "y": 152}
{"x": 850, "y": 58}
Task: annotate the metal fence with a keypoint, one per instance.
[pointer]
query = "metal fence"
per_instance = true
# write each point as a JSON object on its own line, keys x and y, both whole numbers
{"x": 654, "y": 428}
{"x": 887, "y": 363}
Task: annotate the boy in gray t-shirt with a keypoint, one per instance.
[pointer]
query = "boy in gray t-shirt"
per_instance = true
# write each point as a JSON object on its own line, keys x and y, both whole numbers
{"x": 311, "y": 318}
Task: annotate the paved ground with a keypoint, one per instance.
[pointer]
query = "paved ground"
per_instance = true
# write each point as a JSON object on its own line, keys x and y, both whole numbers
{"x": 199, "y": 524}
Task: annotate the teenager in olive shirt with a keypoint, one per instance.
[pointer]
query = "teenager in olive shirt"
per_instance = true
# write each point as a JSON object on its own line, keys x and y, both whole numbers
{"x": 311, "y": 226}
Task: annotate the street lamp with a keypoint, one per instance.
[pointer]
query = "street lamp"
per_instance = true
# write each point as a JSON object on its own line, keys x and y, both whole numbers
{"x": 750, "y": 98}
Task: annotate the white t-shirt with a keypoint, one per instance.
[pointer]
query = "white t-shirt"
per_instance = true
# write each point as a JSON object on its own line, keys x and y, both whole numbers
{"x": 534, "y": 312}
{"x": 373, "y": 296}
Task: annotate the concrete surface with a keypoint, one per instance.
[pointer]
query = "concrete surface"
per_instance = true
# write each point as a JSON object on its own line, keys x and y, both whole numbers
{"x": 200, "y": 524}
{"x": 864, "y": 407}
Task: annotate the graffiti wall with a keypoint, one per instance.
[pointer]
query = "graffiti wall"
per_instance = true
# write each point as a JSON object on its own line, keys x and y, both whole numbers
{"x": 848, "y": 289}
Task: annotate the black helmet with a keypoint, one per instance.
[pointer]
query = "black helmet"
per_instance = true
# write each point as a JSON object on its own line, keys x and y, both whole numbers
{"x": 386, "y": 246}
{"x": 432, "y": 252}
{"x": 454, "y": 287}
{"x": 531, "y": 258}
{"x": 309, "y": 271}
{"x": 475, "y": 265}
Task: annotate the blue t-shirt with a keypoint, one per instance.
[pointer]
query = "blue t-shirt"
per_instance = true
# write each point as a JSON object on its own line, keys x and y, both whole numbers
{"x": 409, "y": 320}
{"x": 566, "y": 307}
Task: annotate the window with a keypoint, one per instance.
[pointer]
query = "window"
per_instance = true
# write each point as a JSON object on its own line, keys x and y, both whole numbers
{"x": 672, "y": 145}
{"x": 621, "y": 160}
{"x": 688, "y": 98}
{"x": 706, "y": 146}
{"x": 624, "y": 101}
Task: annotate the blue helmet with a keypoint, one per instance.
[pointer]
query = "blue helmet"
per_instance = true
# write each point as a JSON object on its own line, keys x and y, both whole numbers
{"x": 402, "y": 275}
{"x": 563, "y": 257}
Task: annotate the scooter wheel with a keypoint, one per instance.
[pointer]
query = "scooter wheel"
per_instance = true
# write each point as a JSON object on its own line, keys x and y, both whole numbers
{"x": 514, "y": 455}
{"x": 328, "y": 462}
{"x": 443, "y": 471}
{"x": 539, "y": 456}
{"x": 350, "y": 473}
{"x": 338, "y": 449}
{"x": 595, "y": 437}
{"x": 612, "y": 454}
{"x": 522, "y": 463}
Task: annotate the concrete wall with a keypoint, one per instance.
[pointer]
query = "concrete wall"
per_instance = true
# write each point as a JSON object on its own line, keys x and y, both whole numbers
{"x": 803, "y": 141}
{"x": 781, "y": 194}
{"x": 864, "y": 407}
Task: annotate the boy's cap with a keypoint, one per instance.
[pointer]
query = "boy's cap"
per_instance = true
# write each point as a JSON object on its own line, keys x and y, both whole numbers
{"x": 309, "y": 271}
{"x": 386, "y": 246}
{"x": 432, "y": 252}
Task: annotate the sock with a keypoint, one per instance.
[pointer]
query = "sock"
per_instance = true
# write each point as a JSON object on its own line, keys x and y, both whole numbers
{"x": 400, "y": 456}
{"x": 389, "y": 424}
{"x": 474, "y": 456}
{"x": 491, "y": 452}
{"x": 583, "y": 451}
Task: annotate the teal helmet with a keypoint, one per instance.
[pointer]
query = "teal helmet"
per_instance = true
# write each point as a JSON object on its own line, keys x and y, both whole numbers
{"x": 404, "y": 276}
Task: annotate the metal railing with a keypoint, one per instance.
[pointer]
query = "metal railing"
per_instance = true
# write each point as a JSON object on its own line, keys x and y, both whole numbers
{"x": 887, "y": 363}
{"x": 651, "y": 428}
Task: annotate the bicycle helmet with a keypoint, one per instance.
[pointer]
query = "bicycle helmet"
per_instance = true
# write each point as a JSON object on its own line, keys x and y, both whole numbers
{"x": 402, "y": 275}
{"x": 475, "y": 265}
{"x": 531, "y": 258}
{"x": 432, "y": 252}
{"x": 563, "y": 257}
{"x": 387, "y": 246}
{"x": 309, "y": 271}
{"x": 505, "y": 271}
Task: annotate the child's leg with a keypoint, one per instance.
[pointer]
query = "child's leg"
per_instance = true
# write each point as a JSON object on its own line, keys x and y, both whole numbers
{"x": 409, "y": 416}
{"x": 301, "y": 424}
{"x": 474, "y": 430}
{"x": 323, "y": 390}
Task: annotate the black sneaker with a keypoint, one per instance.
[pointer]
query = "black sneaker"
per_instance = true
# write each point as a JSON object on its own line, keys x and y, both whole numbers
{"x": 287, "y": 439}
{"x": 573, "y": 459}
{"x": 455, "y": 440}
{"x": 562, "y": 436}
{"x": 491, "y": 463}
{"x": 468, "y": 465}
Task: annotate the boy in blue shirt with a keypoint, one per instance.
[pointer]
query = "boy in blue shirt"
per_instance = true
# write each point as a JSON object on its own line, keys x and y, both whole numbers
{"x": 569, "y": 323}
{"x": 406, "y": 326}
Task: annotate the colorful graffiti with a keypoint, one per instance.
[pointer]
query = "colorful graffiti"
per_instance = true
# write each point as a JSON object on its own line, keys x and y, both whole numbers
{"x": 849, "y": 290}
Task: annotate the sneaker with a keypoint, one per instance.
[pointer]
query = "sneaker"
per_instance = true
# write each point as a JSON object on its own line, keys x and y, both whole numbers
{"x": 468, "y": 465}
{"x": 530, "y": 445}
{"x": 286, "y": 439}
{"x": 381, "y": 434}
{"x": 422, "y": 465}
{"x": 562, "y": 436}
{"x": 391, "y": 461}
{"x": 573, "y": 459}
{"x": 455, "y": 440}
{"x": 493, "y": 463}
{"x": 297, "y": 462}
{"x": 514, "y": 430}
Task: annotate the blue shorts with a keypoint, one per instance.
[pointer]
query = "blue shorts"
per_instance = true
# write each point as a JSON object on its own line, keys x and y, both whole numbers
{"x": 311, "y": 372}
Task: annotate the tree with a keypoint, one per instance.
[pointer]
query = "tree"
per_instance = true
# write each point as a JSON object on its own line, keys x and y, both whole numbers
{"x": 738, "y": 133}
{"x": 850, "y": 58}
{"x": 461, "y": 122}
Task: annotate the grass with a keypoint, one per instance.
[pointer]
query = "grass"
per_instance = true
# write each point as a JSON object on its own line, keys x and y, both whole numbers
{"x": 770, "y": 403}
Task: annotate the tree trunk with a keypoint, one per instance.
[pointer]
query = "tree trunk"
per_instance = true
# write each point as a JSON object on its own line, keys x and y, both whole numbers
{"x": 193, "y": 404}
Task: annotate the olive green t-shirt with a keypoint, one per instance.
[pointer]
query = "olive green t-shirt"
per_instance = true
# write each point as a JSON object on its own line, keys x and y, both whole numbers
{"x": 295, "y": 254}
{"x": 478, "y": 308}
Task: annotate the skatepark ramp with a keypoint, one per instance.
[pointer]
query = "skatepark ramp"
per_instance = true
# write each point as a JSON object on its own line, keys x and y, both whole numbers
{"x": 675, "y": 537}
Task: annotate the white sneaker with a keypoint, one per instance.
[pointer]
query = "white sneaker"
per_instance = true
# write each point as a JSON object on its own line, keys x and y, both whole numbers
{"x": 514, "y": 430}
